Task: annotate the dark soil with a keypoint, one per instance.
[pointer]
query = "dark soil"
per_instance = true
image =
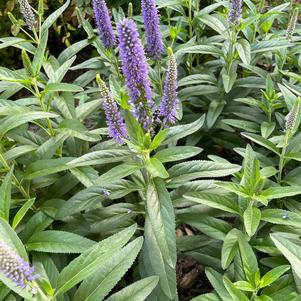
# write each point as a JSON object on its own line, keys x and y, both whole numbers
{"x": 191, "y": 279}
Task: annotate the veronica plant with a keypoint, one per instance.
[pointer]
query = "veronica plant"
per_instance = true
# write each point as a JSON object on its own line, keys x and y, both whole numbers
{"x": 102, "y": 180}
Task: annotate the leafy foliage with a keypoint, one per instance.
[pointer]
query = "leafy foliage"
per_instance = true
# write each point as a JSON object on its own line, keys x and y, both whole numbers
{"x": 101, "y": 220}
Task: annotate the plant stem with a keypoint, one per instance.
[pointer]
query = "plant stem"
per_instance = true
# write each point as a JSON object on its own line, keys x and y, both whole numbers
{"x": 44, "y": 109}
{"x": 282, "y": 158}
{"x": 190, "y": 58}
{"x": 190, "y": 19}
{"x": 159, "y": 76}
{"x": 15, "y": 180}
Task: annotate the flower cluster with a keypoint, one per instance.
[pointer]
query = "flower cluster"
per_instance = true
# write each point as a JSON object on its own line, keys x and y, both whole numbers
{"x": 152, "y": 28}
{"x": 14, "y": 267}
{"x": 115, "y": 122}
{"x": 292, "y": 119}
{"x": 170, "y": 103}
{"x": 135, "y": 71}
{"x": 235, "y": 12}
{"x": 292, "y": 24}
{"x": 104, "y": 24}
{"x": 28, "y": 14}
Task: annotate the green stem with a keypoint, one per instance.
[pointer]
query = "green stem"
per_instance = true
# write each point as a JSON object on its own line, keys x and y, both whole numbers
{"x": 159, "y": 76}
{"x": 15, "y": 180}
{"x": 39, "y": 96}
{"x": 282, "y": 158}
{"x": 190, "y": 19}
{"x": 190, "y": 57}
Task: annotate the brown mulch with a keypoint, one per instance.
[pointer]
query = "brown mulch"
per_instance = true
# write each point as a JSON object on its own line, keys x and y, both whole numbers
{"x": 191, "y": 279}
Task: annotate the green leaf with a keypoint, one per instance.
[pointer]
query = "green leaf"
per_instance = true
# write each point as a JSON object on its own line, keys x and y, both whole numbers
{"x": 39, "y": 55}
{"x": 118, "y": 172}
{"x": 244, "y": 50}
{"x": 5, "y": 195}
{"x": 262, "y": 141}
{"x": 202, "y": 49}
{"x": 248, "y": 258}
{"x": 267, "y": 129}
{"x": 281, "y": 217}
{"x": 281, "y": 192}
{"x": 216, "y": 279}
{"x": 186, "y": 171}
{"x": 22, "y": 211}
{"x": 90, "y": 197}
{"x": 251, "y": 220}
{"x": 158, "y": 202}
{"x": 229, "y": 249}
{"x": 27, "y": 63}
{"x": 158, "y": 139}
{"x": 266, "y": 46}
{"x": 272, "y": 275}
{"x": 233, "y": 187}
{"x": 195, "y": 79}
{"x": 74, "y": 128}
{"x": 235, "y": 293}
{"x": 101, "y": 157}
{"x": 46, "y": 167}
{"x": 89, "y": 261}
{"x": 209, "y": 296}
{"x": 214, "y": 23}
{"x": 249, "y": 126}
{"x": 289, "y": 245}
{"x": 72, "y": 50}
{"x": 53, "y": 241}
{"x": 61, "y": 87}
{"x": 159, "y": 249}
{"x": 251, "y": 176}
{"x": 138, "y": 291}
{"x": 97, "y": 286}
{"x": 11, "y": 239}
{"x": 263, "y": 298}
{"x": 217, "y": 201}
{"x": 52, "y": 18}
{"x": 177, "y": 153}
{"x": 156, "y": 168}
{"x": 18, "y": 151}
{"x": 209, "y": 225}
{"x": 180, "y": 131}
{"x": 134, "y": 129}
{"x": 16, "y": 120}
{"x": 289, "y": 97}
{"x": 215, "y": 109}
{"x": 244, "y": 286}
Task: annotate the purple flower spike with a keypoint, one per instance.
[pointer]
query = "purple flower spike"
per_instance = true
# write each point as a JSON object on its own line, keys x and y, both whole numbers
{"x": 170, "y": 102}
{"x": 104, "y": 24}
{"x": 14, "y": 267}
{"x": 235, "y": 12}
{"x": 152, "y": 28}
{"x": 135, "y": 71}
{"x": 28, "y": 14}
{"x": 115, "y": 122}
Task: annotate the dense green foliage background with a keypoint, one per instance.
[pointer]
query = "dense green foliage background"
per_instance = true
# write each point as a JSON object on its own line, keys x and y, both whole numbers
{"x": 221, "y": 188}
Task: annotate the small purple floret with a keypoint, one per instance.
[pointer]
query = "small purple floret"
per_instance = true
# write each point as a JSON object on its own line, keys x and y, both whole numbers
{"x": 104, "y": 24}
{"x": 151, "y": 20}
